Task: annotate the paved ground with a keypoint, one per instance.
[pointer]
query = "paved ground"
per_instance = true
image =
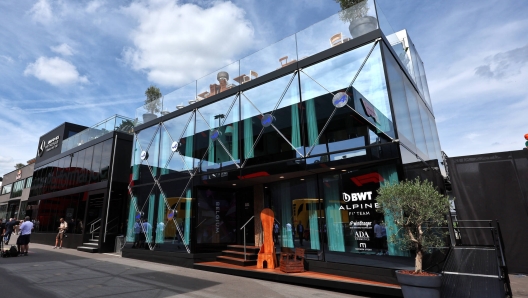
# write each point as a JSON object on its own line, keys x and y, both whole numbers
{"x": 48, "y": 273}
{"x": 69, "y": 273}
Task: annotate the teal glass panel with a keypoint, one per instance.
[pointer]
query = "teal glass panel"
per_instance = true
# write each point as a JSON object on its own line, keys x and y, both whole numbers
{"x": 147, "y": 226}
{"x": 333, "y": 216}
{"x": 390, "y": 176}
{"x": 130, "y": 235}
{"x": 217, "y": 138}
{"x": 160, "y": 220}
{"x": 177, "y": 214}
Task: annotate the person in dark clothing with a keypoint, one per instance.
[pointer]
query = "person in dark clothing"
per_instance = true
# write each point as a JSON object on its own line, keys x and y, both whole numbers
{"x": 2, "y": 228}
{"x": 300, "y": 232}
{"x": 9, "y": 229}
{"x": 276, "y": 233}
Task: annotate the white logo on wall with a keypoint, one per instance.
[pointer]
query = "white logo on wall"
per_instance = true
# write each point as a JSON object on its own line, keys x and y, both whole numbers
{"x": 361, "y": 236}
{"x": 360, "y": 225}
{"x": 144, "y": 155}
{"x": 354, "y": 197}
{"x": 50, "y": 145}
{"x": 174, "y": 146}
{"x": 363, "y": 247}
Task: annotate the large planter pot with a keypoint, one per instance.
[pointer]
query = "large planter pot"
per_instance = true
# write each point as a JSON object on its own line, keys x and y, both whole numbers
{"x": 419, "y": 286}
{"x": 148, "y": 117}
{"x": 362, "y": 26}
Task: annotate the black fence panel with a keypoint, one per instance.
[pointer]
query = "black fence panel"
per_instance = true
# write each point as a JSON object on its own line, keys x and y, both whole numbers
{"x": 494, "y": 186}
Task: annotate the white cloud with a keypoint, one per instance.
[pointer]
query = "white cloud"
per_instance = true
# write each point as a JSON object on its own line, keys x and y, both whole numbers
{"x": 55, "y": 71}
{"x": 93, "y": 6}
{"x": 175, "y": 44}
{"x": 7, "y": 58}
{"x": 41, "y": 12}
{"x": 63, "y": 49}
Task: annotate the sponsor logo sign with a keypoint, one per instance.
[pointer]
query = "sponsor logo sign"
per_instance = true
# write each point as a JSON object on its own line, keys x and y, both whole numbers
{"x": 144, "y": 155}
{"x": 360, "y": 225}
{"x": 48, "y": 146}
{"x": 215, "y": 134}
{"x": 267, "y": 120}
{"x": 174, "y": 146}
{"x": 361, "y": 236}
{"x": 340, "y": 99}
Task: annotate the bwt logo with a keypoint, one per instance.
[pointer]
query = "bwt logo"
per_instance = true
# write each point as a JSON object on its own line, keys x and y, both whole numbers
{"x": 354, "y": 197}
{"x": 215, "y": 135}
{"x": 267, "y": 120}
{"x": 362, "y": 245}
{"x": 340, "y": 99}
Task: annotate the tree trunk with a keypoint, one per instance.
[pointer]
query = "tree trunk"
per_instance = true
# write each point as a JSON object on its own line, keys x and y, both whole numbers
{"x": 418, "y": 261}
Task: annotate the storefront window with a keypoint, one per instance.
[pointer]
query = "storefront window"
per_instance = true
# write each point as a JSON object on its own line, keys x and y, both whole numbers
{"x": 216, "y": 217}
{"x": 297, "y": 209}
{"x": 352, "y": 223}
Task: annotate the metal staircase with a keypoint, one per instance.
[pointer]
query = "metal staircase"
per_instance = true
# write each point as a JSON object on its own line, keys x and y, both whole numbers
{"x": 476, "y": 263}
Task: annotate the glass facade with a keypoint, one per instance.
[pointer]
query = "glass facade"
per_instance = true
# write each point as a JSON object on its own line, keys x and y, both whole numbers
{"x": 46, "y": 213}
{"x": 316, "y": 142}
{"x": 83, "y": 167}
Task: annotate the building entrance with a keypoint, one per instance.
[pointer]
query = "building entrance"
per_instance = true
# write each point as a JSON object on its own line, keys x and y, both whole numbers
{"x": 221, "y": 213}
{"x": 94, "y": 213}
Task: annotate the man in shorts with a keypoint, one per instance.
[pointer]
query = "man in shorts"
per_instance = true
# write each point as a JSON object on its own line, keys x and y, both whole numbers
{"x": 63, "y": 226}
{"x": 25, "y": 232}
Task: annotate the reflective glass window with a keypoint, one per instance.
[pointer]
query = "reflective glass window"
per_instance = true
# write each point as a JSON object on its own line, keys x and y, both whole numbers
{"x": 176, "y": 148}
{"x": 358, "y": 74}
{"x": 79, "y": 167}
{"x": 105, "y": 159}
{"x": 96, "y": 163}
{"x": 6, "y": 188}
{"x": 297, "y": 208}
{"x": 399, "y": 101}
{"x": 28, "y": 182}
{"x": 145, "y": 154}
{"x": 271, "y": 121}
{"x": 414, "y": 111}
{"x": 217, "y": 135}
{"x": 425, "y": 114}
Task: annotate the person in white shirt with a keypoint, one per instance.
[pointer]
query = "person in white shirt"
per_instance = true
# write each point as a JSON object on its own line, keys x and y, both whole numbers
{"x": 25, "y": 231}
{"x": 63, "y": 226}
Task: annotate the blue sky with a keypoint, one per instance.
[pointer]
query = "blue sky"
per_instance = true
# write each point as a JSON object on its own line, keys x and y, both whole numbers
{"x": 83, "y": 61}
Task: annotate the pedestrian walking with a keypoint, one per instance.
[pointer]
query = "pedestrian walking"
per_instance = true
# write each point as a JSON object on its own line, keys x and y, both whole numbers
{"x": 63, "y": 226}
{"x": 25, "y": 232}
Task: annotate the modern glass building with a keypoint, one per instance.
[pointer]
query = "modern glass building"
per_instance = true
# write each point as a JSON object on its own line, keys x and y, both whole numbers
{"x": 310, "y": 127}
{"x": 79, "y": 177}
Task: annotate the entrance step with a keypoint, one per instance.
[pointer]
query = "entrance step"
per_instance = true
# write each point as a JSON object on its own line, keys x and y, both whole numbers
{"x": 236, "y": 261}
{"x": 89, "y": 249}
{"x": 234, "y": 254}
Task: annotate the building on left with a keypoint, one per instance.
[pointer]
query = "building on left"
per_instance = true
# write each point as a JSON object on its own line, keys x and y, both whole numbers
{"x": 15, "y": 192}
{"x": 77, "y": 177}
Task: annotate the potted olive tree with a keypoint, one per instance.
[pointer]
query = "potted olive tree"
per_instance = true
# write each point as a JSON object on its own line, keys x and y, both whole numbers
{"x": 418, "y": 209}
{"x": 355, "y": 12}
{"x": 152, "y": 103}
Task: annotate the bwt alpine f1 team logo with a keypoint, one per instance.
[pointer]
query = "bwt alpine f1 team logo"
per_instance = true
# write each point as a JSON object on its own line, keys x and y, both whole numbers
{"x": 340, "y": 99}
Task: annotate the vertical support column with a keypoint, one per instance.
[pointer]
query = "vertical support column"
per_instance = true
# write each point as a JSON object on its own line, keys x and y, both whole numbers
{"x": 258, "y": 206}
